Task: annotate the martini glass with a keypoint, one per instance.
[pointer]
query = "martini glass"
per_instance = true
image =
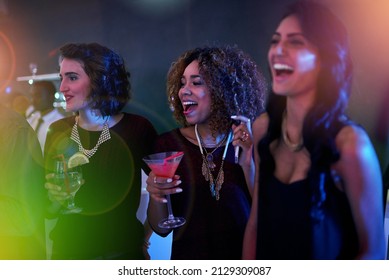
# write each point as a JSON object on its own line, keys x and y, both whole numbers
{"x": 70, "y": 180}
{"x": 165, "y": 165}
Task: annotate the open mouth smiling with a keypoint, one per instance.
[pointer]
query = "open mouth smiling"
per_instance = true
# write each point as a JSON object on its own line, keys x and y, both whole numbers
{"x": 188, "y": 106}
{"x": 282, "y": 69}
{"x": 67, "y": 97}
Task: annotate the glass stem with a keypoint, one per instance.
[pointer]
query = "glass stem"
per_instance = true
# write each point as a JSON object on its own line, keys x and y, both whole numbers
{"x": 169, "y": 208}
{"x": 71, "y": 202}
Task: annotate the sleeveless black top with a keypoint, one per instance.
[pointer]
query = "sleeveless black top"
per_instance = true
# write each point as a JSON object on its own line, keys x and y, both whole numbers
{"x": 286, "y": 228}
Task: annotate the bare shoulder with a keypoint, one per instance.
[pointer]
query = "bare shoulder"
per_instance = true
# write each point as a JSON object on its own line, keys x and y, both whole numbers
{"x": 355, "y": 148}
{"x": 351, "y": 139}
{"x": 260, "y": 126}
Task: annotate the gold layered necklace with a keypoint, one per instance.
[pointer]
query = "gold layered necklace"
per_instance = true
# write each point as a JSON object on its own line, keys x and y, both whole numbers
{"x": 208, "y": 165}
{"x": 294, "y": 147}
{"x": 209, "y": 156}
{"x": 104, "y": 136}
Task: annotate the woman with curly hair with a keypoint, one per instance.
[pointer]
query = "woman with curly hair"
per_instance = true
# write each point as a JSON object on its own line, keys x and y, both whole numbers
{"x": 205, "y": 87}
{"x": 96, "y": 87}
{"x": 318, "y": 187}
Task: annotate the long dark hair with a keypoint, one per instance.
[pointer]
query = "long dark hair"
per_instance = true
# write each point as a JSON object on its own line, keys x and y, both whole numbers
{"x": 110, "y": 85}
{"x": 323, "y": 29}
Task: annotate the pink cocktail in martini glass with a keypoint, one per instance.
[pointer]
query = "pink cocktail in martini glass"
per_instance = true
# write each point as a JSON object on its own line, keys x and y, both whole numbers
{"x": 165, "y": 165}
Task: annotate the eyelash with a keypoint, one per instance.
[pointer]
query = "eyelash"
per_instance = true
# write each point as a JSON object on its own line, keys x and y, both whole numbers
{"x": 297, "y": 42}
{"x": 195, "y": 83}
{"x": 294, "y": 42}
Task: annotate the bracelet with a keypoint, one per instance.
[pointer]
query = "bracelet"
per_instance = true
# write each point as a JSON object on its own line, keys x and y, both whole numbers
{"x": 147, "y": 244}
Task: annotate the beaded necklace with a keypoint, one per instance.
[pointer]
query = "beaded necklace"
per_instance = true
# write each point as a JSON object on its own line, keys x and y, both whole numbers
{"x": 104, "y": 136}
{"x": 215, "y": 185}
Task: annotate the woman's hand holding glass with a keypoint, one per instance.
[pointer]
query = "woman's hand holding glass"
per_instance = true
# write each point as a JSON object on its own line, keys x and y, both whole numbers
{"x": 63, "y": 194}
{"x": 55, "y": 192}
{"x": 165, "y": 165}
{"x": 159, "y": 187}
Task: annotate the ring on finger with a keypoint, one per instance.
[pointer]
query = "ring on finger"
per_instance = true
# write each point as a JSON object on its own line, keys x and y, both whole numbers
{"x": 244, "y": 136}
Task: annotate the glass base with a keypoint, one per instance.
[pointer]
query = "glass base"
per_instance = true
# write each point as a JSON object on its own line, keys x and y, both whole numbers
{"x": 171, "y": 222}
{"x": 73, "y": 210}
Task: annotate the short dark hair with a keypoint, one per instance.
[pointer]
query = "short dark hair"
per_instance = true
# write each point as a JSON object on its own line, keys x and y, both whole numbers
{"x": 110, "y": 85}
{"x": 47, "y": 85}
{"x": 43, "y": 95}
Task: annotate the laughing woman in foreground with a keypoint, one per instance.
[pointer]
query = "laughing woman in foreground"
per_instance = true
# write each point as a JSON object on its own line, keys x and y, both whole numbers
{"x": 318, "y": 190}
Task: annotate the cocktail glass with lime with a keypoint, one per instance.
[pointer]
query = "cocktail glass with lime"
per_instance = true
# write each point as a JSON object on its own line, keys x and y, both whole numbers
{"x": 68, "y": 175}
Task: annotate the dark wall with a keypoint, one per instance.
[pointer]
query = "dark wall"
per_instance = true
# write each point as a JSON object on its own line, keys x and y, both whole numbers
{"x": 149, "y": 34}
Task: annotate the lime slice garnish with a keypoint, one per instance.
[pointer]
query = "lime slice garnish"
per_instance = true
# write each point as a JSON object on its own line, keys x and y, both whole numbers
{"x": 77, "y": 159}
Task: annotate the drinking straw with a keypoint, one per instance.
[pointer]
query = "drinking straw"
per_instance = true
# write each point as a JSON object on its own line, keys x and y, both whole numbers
{"x": 65, "y": 171}
{"x": 172, "y": 156}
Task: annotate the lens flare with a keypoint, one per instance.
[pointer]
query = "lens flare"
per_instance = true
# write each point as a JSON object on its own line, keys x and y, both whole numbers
{"x": 6, "y": 53}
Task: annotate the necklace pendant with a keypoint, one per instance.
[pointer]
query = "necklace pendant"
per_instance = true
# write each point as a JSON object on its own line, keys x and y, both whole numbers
{"x": 215, "y": 184}
{"x": 205, "y": 171}
{"x": 211, "y": 164}
{"x": 212, "y": 188}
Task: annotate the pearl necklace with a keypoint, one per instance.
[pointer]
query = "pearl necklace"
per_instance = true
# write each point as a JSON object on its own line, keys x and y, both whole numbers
{"x": 104, "y": 136}
{"x": 215, "y": 185}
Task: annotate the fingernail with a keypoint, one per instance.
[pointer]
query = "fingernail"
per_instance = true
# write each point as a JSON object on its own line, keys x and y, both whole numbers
{"x": 178, "y": 190}
{"x": 169, "y": 180}
{"x": 178, "y": 182}
{"x": 164, "y": 200}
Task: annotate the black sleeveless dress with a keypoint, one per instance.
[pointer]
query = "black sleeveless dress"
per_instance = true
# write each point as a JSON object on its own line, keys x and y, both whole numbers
{"x": 287, "y": 227}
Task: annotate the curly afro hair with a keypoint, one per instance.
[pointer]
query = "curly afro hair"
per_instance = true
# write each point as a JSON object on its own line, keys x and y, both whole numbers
{"x": 230, "y": 74}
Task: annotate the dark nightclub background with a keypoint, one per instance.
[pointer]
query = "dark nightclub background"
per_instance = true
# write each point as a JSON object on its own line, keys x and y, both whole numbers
{"x": 151, "y": 34}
